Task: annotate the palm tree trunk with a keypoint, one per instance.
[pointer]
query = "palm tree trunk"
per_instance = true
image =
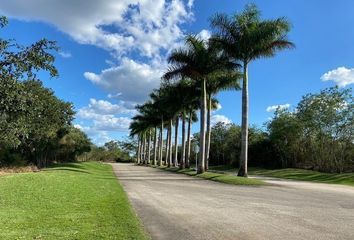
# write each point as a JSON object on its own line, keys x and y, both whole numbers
{"x": 149, "y": 147}
{"x": 207, "y": 150}
{"x": 201, "y": 162}
{"x": 161, "y": 143}
{"x": 167, "y": 145}
{"x": 244, "y": 124}
{"x": 175, "y": 161}
{"x": 155, "y": 146}
{"x": 189, "y": 140}
{"x": 170, "y": 144}
{"x": 183, "y": 155}
{"x": 139, "y": 150}
{"x": 144, "y": 149}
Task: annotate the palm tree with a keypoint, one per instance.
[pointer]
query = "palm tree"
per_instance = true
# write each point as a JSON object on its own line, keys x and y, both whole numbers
{"x": 192, "y": 117}
{"x": 167, "y": 154}
{"x": 149, "y": 147}
{"x": 155, "y": 146}
{"x": 245, "y": 37}
{"x": 175, "y": 160}
{"x": 197, "y": 61}
{"x": 170, "y": 150}
{"x": 216, "y": 83}
{"x": 141, "y": 126}
{"x": 212, "y": 105}
{"x": 136, "y": 128}
{"x": 139, "y": 151}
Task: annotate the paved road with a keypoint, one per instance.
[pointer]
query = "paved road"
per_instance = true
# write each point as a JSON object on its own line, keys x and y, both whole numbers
{"x": 175, "y": 206}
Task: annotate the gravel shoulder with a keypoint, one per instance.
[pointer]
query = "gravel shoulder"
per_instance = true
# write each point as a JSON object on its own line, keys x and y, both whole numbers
{"x": 176, "y": 206}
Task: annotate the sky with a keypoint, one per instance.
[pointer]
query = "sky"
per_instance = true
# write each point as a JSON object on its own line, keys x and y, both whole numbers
{"x": 113, "y": 53}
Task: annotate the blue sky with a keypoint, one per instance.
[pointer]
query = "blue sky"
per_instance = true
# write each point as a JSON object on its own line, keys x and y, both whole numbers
{"x": 113, "y": 53}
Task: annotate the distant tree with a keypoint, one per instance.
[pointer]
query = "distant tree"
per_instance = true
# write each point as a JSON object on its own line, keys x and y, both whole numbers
{"x": 319, "y": 134}
{"x": 73, "y": 144}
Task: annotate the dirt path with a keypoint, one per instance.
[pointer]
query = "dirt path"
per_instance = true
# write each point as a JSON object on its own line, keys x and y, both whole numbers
{"x": 175, "y": 206}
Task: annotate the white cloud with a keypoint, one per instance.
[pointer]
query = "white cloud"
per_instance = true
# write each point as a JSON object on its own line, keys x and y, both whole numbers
{"x": 133, "y": 81}
{"x": 105, "y": 107}
{"x": 276, "y": 107}
{"x": 112, "y": 123}
{"x": 114, "y": 95}
{"x": 65, "y": 54}
{"x": 219, "y": 118}
{"x": 97, "y": 137}
{"x": 190, "y": 3}
{"x": 204, "y": 34}
{"x": 102, "y": 117}
{"x": 342, "y": 76}
{"x": 118, "y": 25}
{"x": 148, "y": 28}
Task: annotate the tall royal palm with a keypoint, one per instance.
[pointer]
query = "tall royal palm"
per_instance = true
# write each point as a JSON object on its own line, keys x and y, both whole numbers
{"x": 197, "y": 61}
{"x": 216, "y": 83}
{"x": 245, "y": 37}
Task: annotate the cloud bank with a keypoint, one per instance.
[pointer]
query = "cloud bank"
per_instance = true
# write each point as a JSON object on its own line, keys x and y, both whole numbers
{"x": 342, "y": 76}
{"x": 276, "y": 107}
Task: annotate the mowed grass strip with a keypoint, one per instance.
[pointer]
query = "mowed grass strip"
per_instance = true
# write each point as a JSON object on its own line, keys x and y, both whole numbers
{"x": 307, "y": 175}
{"x": 72, "y": 201}
{"x": 218, "y": 177}
{"x": 294, "y": 174}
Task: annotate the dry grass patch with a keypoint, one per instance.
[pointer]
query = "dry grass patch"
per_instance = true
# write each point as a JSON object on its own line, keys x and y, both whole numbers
{"x": 11, "y": 170}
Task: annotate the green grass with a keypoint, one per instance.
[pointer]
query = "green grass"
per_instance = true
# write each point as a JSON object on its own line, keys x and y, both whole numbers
{"x": 71, "y": 201}
{"x": 307, "y": 175}
{"x": 295, "y": 174}
{"x": 218, "y": 177}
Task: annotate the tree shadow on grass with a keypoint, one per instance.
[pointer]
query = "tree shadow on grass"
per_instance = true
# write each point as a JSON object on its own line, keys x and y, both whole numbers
{"x": 306, "y": 175}
{"x": 73, "y": 167}
{"x": 69, "y": 169}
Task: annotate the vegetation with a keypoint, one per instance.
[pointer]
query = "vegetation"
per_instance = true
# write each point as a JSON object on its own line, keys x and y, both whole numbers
{"x": 293, "y": 173}
{"x": 35, "y": 126}
{"x": 112, "y": 151}
{"x": 203, "y": 63}
{"x": 68, "y": 201}
{"x": 245, "y": 38}
{"x": 317, "y": 134}
{"x": 307, "y": 175}
{"x": 197, "y": 72}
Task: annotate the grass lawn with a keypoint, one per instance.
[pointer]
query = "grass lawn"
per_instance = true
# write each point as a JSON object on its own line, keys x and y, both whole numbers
{"x": 296, "y": 174}
{"x": 307, "y": 175}
{"x": 218, "y": 177}
{"x": 71, "y": 201}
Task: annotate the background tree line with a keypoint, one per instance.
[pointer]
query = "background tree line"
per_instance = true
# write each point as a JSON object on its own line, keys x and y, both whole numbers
{"x": 35, "y": 125}
{"x": 317, "y": 135}
{"x": 112, "y": 151}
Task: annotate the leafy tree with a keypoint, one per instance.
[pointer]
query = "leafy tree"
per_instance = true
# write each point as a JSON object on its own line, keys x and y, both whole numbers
{"x": 19, "y": 63}
{"x": 328, "y": 128}
{"x": 34, "y": 123}
{"x": 73, "y": 144}
{"x": 285, "y": 133}
{"x": 319, "y": 134}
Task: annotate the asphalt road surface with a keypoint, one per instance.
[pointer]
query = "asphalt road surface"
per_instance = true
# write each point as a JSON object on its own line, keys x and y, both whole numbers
{"x": 179, "y": 207}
